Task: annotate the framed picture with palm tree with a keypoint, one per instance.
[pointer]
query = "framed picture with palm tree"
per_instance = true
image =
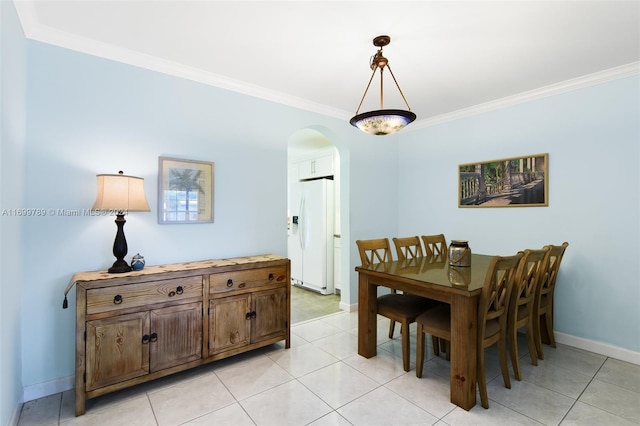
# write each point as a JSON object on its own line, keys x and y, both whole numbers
{"x": 185, "y": 191}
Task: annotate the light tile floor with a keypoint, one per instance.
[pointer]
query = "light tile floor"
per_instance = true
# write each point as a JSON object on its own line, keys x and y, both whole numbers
{"x": 321, "y": 380}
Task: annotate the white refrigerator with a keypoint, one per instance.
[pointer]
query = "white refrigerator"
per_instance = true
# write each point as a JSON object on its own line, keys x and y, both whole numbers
{"x": 310, "y": 243}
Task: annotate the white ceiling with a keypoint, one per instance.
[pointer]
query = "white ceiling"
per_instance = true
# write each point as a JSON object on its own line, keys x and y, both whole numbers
{"x": 448, "y": 56}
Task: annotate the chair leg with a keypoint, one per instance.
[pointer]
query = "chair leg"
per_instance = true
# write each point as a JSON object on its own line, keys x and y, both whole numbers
{"x": 502, "y": 352}
{"x": 392, "y": 326}
{"x": 537, "y": 336}
{"x": 513, "y": 349}
{"x": 549, "y": 326}
{"x": 420, "y": 351}
{"x": 440, "y": 344}
{"x": 482, "y": 379}
{"x": 531, "y": 343}
{"x": 406, "y": 352}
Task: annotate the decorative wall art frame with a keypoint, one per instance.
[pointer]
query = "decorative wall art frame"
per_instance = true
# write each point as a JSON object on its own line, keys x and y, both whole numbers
{"x": 507, "y": 182}
{"x": 185, "y": 191}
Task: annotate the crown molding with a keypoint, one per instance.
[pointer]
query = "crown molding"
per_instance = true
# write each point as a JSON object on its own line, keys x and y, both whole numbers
{"x": 622, "y": 71}
{"x": 35, "y": 31}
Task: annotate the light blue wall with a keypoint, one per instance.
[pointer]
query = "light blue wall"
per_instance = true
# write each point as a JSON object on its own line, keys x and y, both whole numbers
{"x": 87, "y": 115}
{"x": 592, "y": 137}
{"x": 12, "y": 124}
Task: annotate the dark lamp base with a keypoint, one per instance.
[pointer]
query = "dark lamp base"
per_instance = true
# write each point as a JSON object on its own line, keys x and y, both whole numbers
{"x": 120, "y": 248}
{"x": 119, "y": 267}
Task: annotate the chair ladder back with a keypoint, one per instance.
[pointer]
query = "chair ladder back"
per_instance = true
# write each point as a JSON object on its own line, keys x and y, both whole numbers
{"x": 555, "y": 257}
{"x": 435, "y": 245}
{"x": 531, "y": 272}
{"x": 552, "y": 265}
{"x": 374, "y": 251}
{"x": 497, "y": 288}
{"x": 408, "y": 247}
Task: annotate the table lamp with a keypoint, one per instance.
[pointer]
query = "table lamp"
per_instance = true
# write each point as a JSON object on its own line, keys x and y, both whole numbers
{"x": 120, "y": 194}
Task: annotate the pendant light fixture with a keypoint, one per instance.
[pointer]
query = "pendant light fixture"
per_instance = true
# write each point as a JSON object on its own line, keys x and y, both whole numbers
{"x": 382, "y": 121}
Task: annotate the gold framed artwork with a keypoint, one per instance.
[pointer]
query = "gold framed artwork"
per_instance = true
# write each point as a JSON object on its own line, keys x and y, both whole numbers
{"x": 185, "y": 191}
{"x": 507, "y": 182}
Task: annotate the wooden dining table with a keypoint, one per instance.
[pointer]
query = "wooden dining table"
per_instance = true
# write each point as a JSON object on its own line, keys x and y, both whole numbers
{"x": 431, "y": 277}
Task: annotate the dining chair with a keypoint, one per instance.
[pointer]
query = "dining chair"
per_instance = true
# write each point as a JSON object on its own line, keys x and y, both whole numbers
{"x": 492, "y": 320}
{"x": 435, "y": 245}
{"x": 408, "y": 247}
{"x": 543, "y": 303}
{"x": 398, "y": 307}
{"x": 530, "y": 273}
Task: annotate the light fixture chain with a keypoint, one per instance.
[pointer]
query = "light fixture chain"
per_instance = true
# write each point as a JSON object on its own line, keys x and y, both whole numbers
{"x": 399, "y": 90}
{"x": 381, "y": 89}
{"x": 366, "y": 90}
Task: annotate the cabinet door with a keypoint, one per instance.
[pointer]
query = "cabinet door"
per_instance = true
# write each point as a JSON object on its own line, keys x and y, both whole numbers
{"x": 318, "y": 167}
{"x": 271, "y": 314}
{"x": 176, "y": 335}
{"x": 305, "y": 169}
{"x": 116, "y": 350}
{"x": 323, "y": 166}
{"x": 229, "y": 322}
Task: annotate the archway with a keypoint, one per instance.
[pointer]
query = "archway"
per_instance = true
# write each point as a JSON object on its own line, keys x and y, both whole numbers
{"x": 307, "y": 151}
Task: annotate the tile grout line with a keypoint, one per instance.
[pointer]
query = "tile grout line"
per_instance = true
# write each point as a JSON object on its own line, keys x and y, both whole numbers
{"x": 582, "y": 392}
{"x": 155, "y": 416}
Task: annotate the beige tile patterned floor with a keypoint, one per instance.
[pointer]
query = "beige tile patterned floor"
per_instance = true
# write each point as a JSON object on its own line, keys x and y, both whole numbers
{"x": 322, "y": 381}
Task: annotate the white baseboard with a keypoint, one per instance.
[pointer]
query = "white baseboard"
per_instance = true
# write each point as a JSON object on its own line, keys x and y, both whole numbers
{"x": 348, "y": 308}
{"x": 15, "y": 417}
{"x": 599, "y": 348}
{"x": 40, "y": 390}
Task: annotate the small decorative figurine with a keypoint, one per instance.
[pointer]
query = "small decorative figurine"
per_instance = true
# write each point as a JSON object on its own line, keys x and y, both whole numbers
{"x": 137, "y": 262}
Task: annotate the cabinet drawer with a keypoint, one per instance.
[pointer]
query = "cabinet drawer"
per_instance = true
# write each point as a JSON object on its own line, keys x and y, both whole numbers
{"x": 250, "y": 278}
{"x": 142, "y": 294}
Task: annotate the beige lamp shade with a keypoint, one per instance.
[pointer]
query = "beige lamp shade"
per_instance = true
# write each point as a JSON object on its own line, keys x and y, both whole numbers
{"x": 121, "y": 192}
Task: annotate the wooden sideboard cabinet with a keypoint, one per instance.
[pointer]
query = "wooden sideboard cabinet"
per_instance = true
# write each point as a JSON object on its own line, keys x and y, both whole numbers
{"x": 142, "y": 325}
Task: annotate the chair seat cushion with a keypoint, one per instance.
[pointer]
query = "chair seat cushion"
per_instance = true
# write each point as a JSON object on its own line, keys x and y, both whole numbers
{"x": 437, "y": 321}
{"x": 401, "y": 307}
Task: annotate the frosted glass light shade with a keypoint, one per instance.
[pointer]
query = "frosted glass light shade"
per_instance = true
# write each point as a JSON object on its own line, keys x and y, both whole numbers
{"x": 121, "y": 192}
{"x": 383, "y": 121}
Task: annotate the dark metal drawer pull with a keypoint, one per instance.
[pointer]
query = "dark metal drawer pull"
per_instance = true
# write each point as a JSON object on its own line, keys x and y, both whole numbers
{"x": 117, "y": 299}
{"x": 179, "y": 290}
